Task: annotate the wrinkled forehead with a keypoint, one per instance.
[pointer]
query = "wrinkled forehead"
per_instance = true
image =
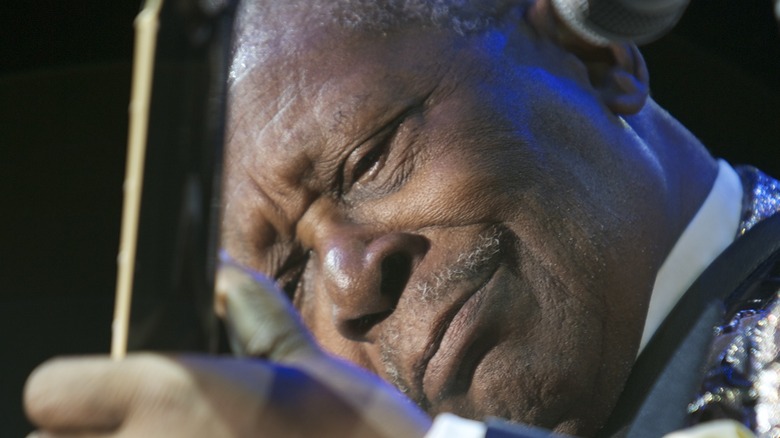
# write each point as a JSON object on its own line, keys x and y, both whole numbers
{"x": 267, "y": 30}
{"x": 262, "y": 24}
{"x": 305, "y": 98}
{"x": 294, "y": 89}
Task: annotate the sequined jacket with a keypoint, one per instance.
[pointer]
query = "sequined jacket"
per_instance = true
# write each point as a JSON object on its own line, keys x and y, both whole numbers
{"x": 742, "y": 372}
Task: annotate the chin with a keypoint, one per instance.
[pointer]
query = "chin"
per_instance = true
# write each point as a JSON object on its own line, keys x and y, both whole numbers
{"x": 514, "y": 388}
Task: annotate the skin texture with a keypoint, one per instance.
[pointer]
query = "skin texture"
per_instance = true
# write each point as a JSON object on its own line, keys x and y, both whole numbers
{"x": 467, "y": 217}
{"x": 476, "y": 219}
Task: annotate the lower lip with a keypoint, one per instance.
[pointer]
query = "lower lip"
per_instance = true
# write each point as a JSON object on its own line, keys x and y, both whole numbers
{"x": 451, "y": 368}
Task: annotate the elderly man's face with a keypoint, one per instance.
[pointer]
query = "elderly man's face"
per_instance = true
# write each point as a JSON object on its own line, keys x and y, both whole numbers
{"x": 460, "y": 215}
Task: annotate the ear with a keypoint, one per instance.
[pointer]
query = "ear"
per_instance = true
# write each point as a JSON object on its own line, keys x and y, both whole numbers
{"x": 622, "y": 82}
{"x": 617, "y": 71}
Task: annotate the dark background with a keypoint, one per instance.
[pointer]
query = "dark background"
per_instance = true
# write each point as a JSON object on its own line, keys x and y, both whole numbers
{"x": 64, "y": 89}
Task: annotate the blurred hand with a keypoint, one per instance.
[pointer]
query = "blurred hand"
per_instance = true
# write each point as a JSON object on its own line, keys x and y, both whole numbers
{"x": 296, "y": 390}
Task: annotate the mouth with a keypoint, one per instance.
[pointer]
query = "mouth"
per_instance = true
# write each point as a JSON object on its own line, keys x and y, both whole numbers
{"x": 448, "y": 365}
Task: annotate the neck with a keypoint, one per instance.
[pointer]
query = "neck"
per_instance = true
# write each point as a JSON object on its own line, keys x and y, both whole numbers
{"x": 688, "y": 167}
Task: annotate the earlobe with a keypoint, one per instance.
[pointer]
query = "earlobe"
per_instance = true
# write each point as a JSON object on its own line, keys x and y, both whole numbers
{"x": 622, "y": 84}
{"x": 617, "y": 72}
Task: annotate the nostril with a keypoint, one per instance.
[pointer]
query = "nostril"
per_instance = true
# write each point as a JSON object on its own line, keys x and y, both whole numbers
{"x": 378, "y": 272}
{"x": 396, "y": 270}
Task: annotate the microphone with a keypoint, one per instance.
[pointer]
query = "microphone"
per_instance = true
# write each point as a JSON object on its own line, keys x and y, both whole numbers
{"x": 602, "y": 22}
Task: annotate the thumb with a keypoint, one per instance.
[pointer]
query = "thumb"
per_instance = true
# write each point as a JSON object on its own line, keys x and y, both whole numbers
{"x": 260, "y": 320}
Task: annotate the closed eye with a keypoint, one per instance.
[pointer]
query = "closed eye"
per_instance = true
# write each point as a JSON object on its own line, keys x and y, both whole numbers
{"x": 368, "y": 162}
{"x": 290, "y": 275}
{"x": 367, "y": 159}
{"x": 291, "y": 285}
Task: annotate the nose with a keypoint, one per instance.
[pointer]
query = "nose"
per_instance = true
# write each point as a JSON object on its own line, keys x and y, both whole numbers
{"x": 364, "y": 274}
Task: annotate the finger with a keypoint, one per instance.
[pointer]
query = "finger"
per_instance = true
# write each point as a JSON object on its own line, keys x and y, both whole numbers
{"x": 46, "y": 434}
{"x": 377, "y": 403}
{"x": 260, "y": 319}
{"x": 149, "y": 395}
{"x": 63, "y": 394}
{"x": 97, "y": 394}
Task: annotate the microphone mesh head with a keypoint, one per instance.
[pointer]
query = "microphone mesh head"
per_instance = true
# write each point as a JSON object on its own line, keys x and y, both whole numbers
{"x": 604, "y": 21}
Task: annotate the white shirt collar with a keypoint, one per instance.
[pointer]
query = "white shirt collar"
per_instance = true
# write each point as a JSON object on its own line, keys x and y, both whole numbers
{"x": 712, "y": 229}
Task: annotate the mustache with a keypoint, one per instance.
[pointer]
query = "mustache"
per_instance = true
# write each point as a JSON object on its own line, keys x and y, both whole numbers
{"x": 468, "y": 264}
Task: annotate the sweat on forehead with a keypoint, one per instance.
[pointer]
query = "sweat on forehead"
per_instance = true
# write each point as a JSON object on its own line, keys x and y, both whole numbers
{"x": 261, "y": 22}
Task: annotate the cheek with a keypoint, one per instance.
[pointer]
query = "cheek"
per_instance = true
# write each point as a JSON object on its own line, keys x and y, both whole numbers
{"x": 550, "y": 357}
{"x": 463, "y": 185}
{"x": 545, "y": 349}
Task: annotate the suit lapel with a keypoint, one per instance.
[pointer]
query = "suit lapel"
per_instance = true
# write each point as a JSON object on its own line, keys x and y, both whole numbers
{"x": 668, "y": 373}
